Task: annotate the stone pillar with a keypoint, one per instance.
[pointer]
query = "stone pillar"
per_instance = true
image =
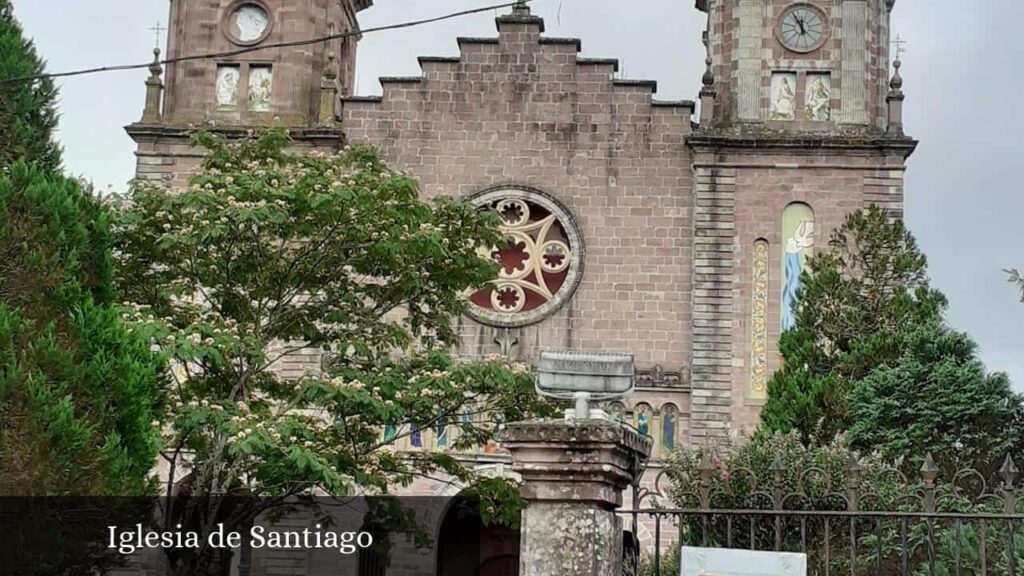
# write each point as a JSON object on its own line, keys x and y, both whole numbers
{"x": 573, "y": 477}
{"x": 154, "y": 91}
{"x": 895, "y": 101}
{"x": 328, "y": 94}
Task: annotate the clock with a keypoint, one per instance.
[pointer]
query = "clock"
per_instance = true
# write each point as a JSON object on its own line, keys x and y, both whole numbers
{"x": 802, "y": 28}
{"x": 248, "y": 23}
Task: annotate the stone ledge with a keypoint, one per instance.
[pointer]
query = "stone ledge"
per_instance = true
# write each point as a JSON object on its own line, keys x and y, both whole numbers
{"x": 232, "y": 132}
{"x": 710, "y": 139}
{"x": 613, "y": 62}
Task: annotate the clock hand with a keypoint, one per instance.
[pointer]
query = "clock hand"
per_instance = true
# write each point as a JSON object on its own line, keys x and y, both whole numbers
{"x": 803, "y": 29}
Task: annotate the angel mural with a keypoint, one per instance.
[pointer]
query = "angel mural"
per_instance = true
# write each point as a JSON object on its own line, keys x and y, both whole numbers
{"x": 783, "y": 97}
{"x": 798, "y": 229}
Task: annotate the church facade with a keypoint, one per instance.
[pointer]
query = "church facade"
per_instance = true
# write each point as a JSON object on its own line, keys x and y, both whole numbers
{"x": 675, "y": 230}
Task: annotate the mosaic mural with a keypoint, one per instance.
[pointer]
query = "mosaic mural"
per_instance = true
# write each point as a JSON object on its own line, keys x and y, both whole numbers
{"x": 227, "y": 85}
{"x": 759, "y": 322}
{"x": 783, "y": 96}
{"x": 798, "y": 244}
{"x": 261, "y": 81}
{"x": 819, "y": 97}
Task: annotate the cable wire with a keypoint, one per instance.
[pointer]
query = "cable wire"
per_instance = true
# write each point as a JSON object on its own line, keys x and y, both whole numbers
{"x": 249, "y": 49}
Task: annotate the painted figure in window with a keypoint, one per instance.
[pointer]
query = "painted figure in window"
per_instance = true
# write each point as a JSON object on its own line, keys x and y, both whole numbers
{"x": 668, "y": 428}
{"x": 798, "y": 229}
{"x": 442, "y": 431}
{"x": 227, "y": 85}
{"x": 390, "y": 432}
{"x": 819, "y": 97}
{"x": 416, "y": 437}
{"x": 261, "y": 86}
{"x": 616, "y": 411}
{"x": 783, "y": 97}
{"x": 643, "y": 419}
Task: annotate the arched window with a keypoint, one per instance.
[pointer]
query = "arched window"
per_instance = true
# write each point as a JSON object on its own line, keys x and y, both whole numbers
{"x": 617, "y": 411}
{"x": 797, "y": 247}
{"x": 643, "y": 418}
{"x": 416, "y": 436}
{"x": 669, "y": 428}
{"x": 441, "y": 430}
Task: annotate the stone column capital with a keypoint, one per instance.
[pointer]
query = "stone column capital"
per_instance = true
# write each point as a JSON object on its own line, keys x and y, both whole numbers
{"x": 585, "y": 461}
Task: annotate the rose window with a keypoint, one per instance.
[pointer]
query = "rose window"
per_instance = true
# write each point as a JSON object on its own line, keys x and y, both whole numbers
{"x": 539, "y": 261}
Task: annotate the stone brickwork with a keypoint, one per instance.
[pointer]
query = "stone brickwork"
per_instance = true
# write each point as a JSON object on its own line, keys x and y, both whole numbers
{"x": 742, "y": 188}
{"x": 667, "y": 211}
{"x": 745, "y": 51}
{"x": 524, "y": 109}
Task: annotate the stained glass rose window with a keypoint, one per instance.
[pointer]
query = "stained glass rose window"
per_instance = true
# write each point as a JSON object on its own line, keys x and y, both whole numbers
{"x": 541, "y": 261}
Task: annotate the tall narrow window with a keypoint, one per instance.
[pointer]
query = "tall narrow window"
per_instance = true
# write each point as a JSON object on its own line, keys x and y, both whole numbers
{"x": 416, "y": 436}
{"x": 617, "y": 410}
{"x": 669, "y": 425}
{"x": 228, "y": 76}
{"x": 798, "y": 245}
{"x": 390, "y": 432}
{"x": 442, "y": 430}
{"x": 261, "y": 87}
{"x": 643, "y": 419}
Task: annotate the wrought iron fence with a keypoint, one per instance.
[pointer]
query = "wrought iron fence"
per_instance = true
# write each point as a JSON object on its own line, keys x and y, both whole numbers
{"x": 963, "y": 526}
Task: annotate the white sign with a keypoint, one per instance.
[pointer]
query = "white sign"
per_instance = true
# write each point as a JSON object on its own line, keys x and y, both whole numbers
{"x": 727, "y": 562}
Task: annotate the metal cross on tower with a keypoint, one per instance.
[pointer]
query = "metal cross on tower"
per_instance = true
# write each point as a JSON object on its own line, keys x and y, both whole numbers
{"x": 900, "y": 45}
{"x": 157, "y": 30}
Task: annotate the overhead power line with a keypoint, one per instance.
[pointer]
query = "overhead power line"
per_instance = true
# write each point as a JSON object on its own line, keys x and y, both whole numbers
{"x": 248, "y": 49}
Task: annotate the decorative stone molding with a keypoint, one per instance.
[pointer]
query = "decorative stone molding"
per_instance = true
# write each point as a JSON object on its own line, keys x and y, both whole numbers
{"x": 658, "y": 377}
{"x": 586, "y": 460}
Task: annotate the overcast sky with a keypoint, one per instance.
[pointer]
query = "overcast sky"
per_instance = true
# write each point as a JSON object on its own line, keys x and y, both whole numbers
{"x": 963, "y": 75}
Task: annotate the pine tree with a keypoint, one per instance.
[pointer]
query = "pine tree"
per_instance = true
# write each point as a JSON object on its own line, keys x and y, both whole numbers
{"x": 78, "y": 391}
{"x": 937, "y": 398}
{"x": 857, "y": 302}
{"x": 28, "y": 112}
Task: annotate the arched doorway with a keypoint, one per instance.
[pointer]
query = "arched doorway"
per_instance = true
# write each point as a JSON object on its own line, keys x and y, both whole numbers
{"x": 468, "y": 548}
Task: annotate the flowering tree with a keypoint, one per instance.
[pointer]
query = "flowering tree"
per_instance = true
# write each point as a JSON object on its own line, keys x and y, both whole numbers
{"x": 268, "y": 254}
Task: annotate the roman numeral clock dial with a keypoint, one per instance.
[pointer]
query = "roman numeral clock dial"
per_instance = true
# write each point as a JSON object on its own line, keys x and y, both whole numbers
{"x": 802, "y": 28}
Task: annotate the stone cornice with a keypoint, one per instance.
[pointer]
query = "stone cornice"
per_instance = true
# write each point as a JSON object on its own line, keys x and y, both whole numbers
{"x": 319, "y": 133}
{"x": 578, "y": 432}
{"x": 710, "y": 141}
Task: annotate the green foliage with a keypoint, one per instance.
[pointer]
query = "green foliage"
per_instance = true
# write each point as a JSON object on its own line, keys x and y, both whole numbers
{"x": 779, "y": 472}
{"x": 28, "y": 111}
{"x": 937, "y": 398}
{"x": 857, "y": 301}
{"x": 78, "y": 391}
{"x": 268, "y": 254}
{"x": 669, "y": 562}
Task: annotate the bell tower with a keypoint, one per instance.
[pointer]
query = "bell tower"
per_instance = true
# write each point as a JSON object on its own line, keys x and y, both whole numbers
{"x": 800, "y": 124}
{"x": 228, "y": 72}
{"x": 800, "y": 65}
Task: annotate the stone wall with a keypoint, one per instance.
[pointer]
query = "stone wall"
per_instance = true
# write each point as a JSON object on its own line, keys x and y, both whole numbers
{"x": 524, "y": 109}
{"x": 742, "y": 190}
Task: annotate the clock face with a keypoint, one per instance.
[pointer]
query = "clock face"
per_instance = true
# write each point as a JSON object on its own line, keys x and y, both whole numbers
{"x": 249, "y": 23}
{"x": 802, "y": 28}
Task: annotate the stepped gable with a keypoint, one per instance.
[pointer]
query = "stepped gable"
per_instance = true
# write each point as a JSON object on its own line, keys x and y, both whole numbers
{"x": 553, "y": 89}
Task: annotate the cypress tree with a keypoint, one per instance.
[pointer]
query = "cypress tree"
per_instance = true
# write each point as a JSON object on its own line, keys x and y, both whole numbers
{"x": 28, "y": 110}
